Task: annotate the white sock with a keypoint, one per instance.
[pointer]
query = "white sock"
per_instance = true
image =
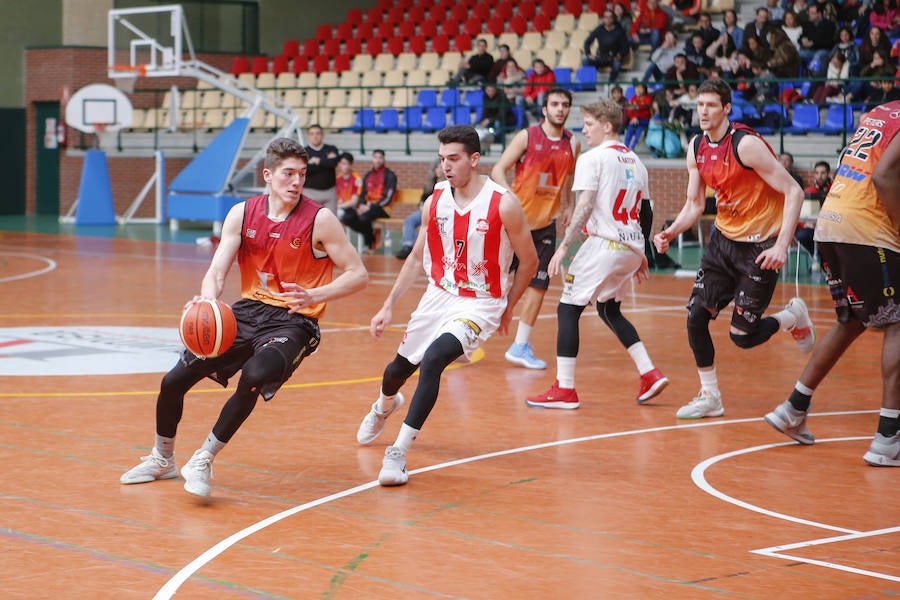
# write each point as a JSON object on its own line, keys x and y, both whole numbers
{"x": 212, "y": 444}
{"x": 523, "y": 333}
{"x": 406, "y": 437}
{"x": 384, "y": 403}
{"x": 708, "y": 380}
{"x": 565, "y": 372}
{"x": 803, "y": 389}
{"x": 640, "y": 357}
{"x": 786, "y": 319}
{"x": 165, "y": 446}
{"x": 891, "y": 413}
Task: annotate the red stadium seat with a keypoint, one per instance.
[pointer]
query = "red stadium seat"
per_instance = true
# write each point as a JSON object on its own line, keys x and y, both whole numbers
{"x": 549, "y": 8}
{"x": 597, "y": 6}
{"x": 482, "y": 11}
{"x": 280, "y": 64}
{"x": 354, "y": 16}
{"x": 495, "y": 25}
{"x": 321, "y": 63}
{"x": 384, "y": 30}
{"x": 406, "y": 29}
{"x": 385, "y": 4}
{"x": 395, "y": 15}
{"x": 299, "y": 64}
{"x": 460, "y": 12}
{"x": 450, "y": 27}
{"x": 343, "y": 31}
{"x": 416, "y": 14}
{"x": 341, "y": 63}
{"x": 573, "y": 7}
{"x": 259, "y": 65}
{"x": 311, "y": 48}
{"x": 518, "y": 24}
{"x": 440, "y": 44}
{"x": 331, "y": 47}
{"x": 417, "y": 44}
{"x": 241, "y": 64}
{"x": 472, "y": 27}
{"x": 352, "y": 46}
{"x": 462, "y": 43}
{"x": 395, "y": 45}
{"x": 323, "y": 32}
{"x": 504, "y": 9}
{"x": 374, "y": 45}
{"x": 437, "y": 13}
{"x": 428, "y": 28}
{"x": 365, "y": 30}
{"x": 526, "y": 9}
{"x": 374, "y": 16}
{"x": 290, "y": 48}
{"x": 541, "y": 23}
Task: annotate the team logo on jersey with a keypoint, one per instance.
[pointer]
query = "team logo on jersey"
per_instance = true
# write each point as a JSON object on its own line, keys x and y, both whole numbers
{"x": 251, "y": 233}
{"x": 442, "y": 225}
{"x": 479, "y": 267}
{"x": 296, "y": 243}
{"x": 274, "y": 234}
{"x": 482, "y": 226}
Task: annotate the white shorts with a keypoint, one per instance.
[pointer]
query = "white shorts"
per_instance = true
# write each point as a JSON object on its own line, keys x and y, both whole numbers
{"x": 601, "y": 270}
{"x": 470, "y": 320}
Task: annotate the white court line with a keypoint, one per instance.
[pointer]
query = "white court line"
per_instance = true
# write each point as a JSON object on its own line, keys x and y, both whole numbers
{"x": 168, "y": 590}
{"x": 51, "y": 265}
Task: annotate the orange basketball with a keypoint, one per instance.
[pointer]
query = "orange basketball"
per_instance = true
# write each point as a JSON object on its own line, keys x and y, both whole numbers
{"x": 208, "y": 328}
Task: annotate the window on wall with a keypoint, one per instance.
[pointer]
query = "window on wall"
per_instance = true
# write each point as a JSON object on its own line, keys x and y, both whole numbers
{"x": 230, "y": 26}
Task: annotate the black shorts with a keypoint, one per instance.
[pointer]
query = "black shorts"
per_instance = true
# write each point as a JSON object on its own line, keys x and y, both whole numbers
{"x": 261, "y": 326}
{"x": 863, "y": 281}
{"x": 728, "y": 271}
{"x": 545, "y": 243}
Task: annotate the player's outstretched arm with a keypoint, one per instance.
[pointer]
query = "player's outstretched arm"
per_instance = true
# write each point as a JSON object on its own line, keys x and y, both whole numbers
{"x": 214, "y": 280}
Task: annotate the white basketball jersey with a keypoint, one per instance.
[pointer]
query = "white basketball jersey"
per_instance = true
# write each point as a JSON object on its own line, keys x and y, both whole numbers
{"x": 621, "y": 180}
{"x": 467, "y": 251}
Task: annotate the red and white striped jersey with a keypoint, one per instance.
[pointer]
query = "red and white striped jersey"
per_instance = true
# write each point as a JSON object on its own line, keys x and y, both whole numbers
{"x": 467, "y": 251}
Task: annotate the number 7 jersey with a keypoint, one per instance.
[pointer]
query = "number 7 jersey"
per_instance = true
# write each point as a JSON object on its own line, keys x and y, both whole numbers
{"x": 621, "y": 181}
{"x": 852, "y": 212}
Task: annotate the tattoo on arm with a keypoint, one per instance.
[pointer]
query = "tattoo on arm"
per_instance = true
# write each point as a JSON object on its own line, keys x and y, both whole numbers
{"x": 580, "y": 217}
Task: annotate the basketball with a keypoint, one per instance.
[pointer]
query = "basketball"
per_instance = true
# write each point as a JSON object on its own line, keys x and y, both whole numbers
{"x": 208, "y": 328}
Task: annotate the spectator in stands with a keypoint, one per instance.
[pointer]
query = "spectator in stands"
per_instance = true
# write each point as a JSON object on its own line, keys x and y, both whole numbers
{"x": 705, "y": 28}
{"x": 785, "y": 60}
{"x": 413, "y": 221}
{"x": 847, "y": 46}
{"x": 879, "y": 65}
{"x": 623, "y": 16}
{"x": 662, "y": 58}
{"x": 348, "y": 184}
{"x": 499, "y": 63}
{"x": 743, "y": 76}
{"x": 756, "y": 51}
{"x": 874, "y": 40}
{"x": 497, "y": 116}
{"x": 776, "y": 12}
{"x": 512, "y": 74}
{"x": 757, "y": 30}
{"x": 837, "y": 74}
{"x": 817, "y": 41}
{"x": 650, "y": 26}
{"x": 476, "y": 68}
{"x": 681, "y": 12}
{"x": 612, "y": 46}
{"x": 799, "y": 8}
{"x": 680, "y": 74}
{"x": 539, "y": 81}
{"x": 766, "y": 86}
{"x": 787, "y": 161}
{"x": 617, "y": 94}
{"x": 816, "y": 191}
{"x": 320, "y": 176}
{"x": 723, "y": 53}
{"x": 378, "y": 188}
{"x": 695, "y": 52}
{"x": 637, "y": 115}
{"x": 885, "y": 90}
{"x": 792, "y": 27}
{"x": 885, "y": 16}
{"x": 684, "y": 111}
{"x": 733, "y": 28}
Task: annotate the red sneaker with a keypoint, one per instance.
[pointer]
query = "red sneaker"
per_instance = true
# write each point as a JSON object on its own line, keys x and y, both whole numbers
{"x": 555, "y": 397}
{"x": 652, "y": 383}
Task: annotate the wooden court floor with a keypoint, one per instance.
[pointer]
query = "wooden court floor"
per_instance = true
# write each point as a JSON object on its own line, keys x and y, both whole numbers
{"x": 613, "y": 500}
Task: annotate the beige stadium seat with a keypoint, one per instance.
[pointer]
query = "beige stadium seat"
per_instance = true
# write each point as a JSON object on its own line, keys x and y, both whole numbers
{"x": 394, "y": 79}
{"x": 381, "y": 98}
{"x": 524, "y": 58}
{"x": 211, "y": 99}
{"x": 556, "y": 40}
{"x": 570, "y": 58}
{"x": 489, "y": 38}
{"x": 248, "y": 79}
{"x": 313, "y": 99}
{"x": 406, "y": 62}
{"x": 564, "y": 23}
{"x": 189, "y": 99}
{"x": 362, "y": 63}
{"x": 328, "y": 79}
{"x": 342, "y": 118}
{"x": 450, "y": 61}
{"x": 348, "y": 79}
{"x": 384, "y": 62}
{"x": 588, "y": 21}
{"x": 356, "y": 98}
{"x": 404, "y": 97}
{"x": 335, "y": 98}
{"x": 304, "y": 116}
{"x": 532, "y": 40}
{"x": 265, "y": 81}
{"x": 216, "y": 118}
{"x": 371, "y": 79}
{"x": 307, "y": 80}
{"x": 190, "y": 119}
{"x": 293, "y": 98}
{"x": 416, "y": 79}
{"x": 260, "y": 120}
{"x": 430, "y": 61}
{"x": 577, "y": 38}
{"x": 510, "y": 39}
{"x": 285, "y": 80}
{"x": 137, "y": 119}
{"x": 203, "y": 85}
{"x": 157, "y": 118}
{"x": 438, "y": 78}
{"x": 550, "y": 57}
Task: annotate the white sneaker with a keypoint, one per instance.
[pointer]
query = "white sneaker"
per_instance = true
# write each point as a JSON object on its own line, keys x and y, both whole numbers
{"x": 706, "y": 404}
{"x": 197, "y": 473}
{"x": 393, "y": 469}
{"x": 791, "y": 422}
{"x": 884, "y": 451}
{"x": 152, "y": 467}
{"x": 803, "y": 331}
{"x": 373, "y": 423}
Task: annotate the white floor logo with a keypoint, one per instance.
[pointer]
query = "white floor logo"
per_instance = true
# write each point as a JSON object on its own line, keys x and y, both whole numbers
{"x": 87, "y": 350}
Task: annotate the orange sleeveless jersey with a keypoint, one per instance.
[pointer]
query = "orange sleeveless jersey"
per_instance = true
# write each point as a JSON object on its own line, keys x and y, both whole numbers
{"x": 274, "y": 252}
{"x": 852, "y": 212}
{"x": 748, "y": 208}
{"x": 541, "y": 174}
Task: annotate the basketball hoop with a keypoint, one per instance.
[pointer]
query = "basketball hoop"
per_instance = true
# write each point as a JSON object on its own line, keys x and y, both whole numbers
{"x": 104, "y": 135}
{"x": 124, "y": 76}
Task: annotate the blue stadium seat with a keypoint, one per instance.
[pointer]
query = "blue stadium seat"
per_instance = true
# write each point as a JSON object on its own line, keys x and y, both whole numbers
{"x": 426, "y": 98}
{"x": 585, "y": 79}
{"x": 435, "y": 118}
{"x": 474, "y": 98}
{"x": 835, "y": 119}
{"x": 365, "y": 120}
{"x": 461, "y": 115}
{"x": 450, "y": 98}
{"x": 563, "y": 76}
{"x": 737, "y": 113}
{"x": 388, "y": 120}
{"x": 804, "y": 120}
{"x": 412, "y": 119}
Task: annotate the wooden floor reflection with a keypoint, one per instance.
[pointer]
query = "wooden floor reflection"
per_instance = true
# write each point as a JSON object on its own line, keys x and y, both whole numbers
{"x": 613, "y": 500}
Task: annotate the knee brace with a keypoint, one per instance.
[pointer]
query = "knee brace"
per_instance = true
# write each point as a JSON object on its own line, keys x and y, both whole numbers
{"x": 698, "y": 336}
{"x": 611, "y": 314}
{"x": 440, "y": 353}
{"x": 567, "y": 336}
{"x": 395, "y": 375}
{"x": 763, "y": 330}
{"x": 266, "y": 367}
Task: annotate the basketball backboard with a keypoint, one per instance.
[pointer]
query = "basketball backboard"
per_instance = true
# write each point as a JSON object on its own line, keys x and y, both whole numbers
{"x": 98, "y": 104}
{"x": 146, "y": 41}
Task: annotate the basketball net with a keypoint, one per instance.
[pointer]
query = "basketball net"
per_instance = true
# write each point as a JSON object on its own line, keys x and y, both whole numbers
{"x": 104, "y": 139}
{"x": 126, "y": 76}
